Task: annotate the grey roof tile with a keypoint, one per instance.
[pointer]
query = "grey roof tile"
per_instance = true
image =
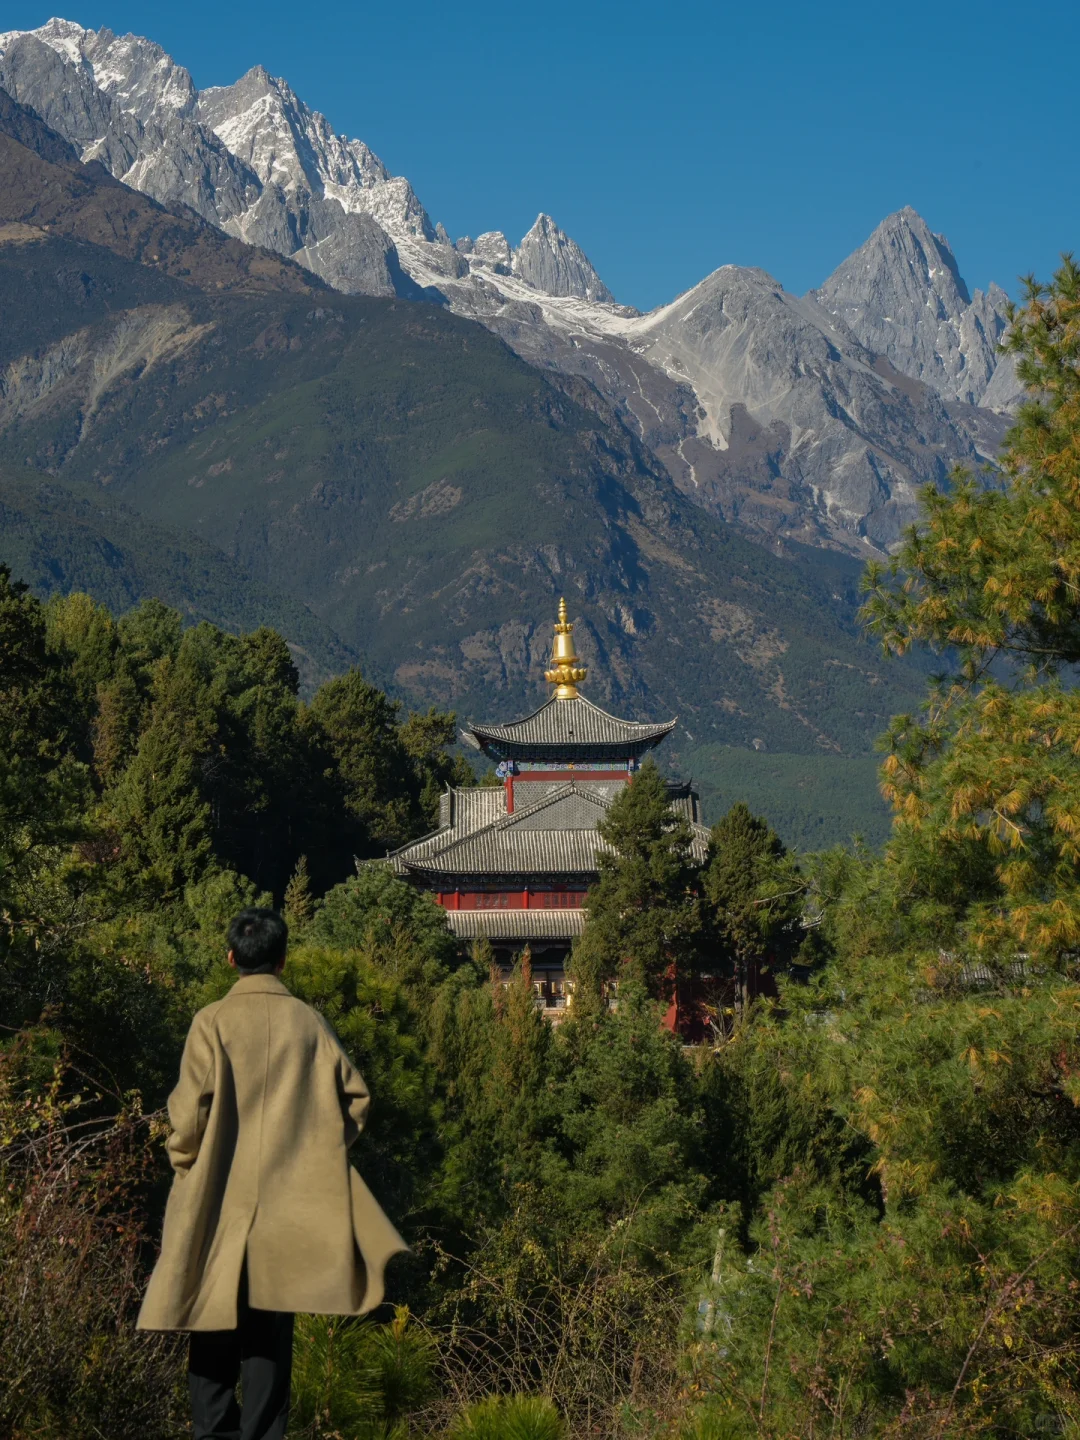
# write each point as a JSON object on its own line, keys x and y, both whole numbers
{"x": 516, "y": 924}
{"x": 568, "y": 725}
{"x": 554, "y": 835}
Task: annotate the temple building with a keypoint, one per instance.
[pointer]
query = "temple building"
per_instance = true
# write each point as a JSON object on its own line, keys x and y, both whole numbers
{"x": 513, "y": 862}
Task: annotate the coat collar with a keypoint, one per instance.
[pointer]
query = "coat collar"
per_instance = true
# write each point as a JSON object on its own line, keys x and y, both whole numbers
{"x": 259, "y": 985}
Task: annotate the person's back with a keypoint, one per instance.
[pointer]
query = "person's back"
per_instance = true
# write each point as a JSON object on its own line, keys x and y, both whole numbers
{"x": 266, "y": 1216}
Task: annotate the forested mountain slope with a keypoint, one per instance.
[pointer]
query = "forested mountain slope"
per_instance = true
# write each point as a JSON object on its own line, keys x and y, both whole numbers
{"x": 61, "y": 540}
{"x": 422, "y": 489}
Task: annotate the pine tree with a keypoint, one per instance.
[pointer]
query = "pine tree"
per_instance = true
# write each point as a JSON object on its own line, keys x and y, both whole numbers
{"x": 358, "y": 727}
{"x": 986, "y": 784}
{"x": 299, "y": 905}
{"x": 749, "y": 934}
{"x": 157, "y": 808}
{"x": 644, "y": 918}
{"x": 426, "y": 739}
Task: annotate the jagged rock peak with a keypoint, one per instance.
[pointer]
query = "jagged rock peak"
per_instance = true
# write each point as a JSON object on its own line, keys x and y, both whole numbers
{"x": 557, "y": 265}
{"x": 134, "y": 72}
{"x": 902, "y": 295}
{"x": 494, "y": 248}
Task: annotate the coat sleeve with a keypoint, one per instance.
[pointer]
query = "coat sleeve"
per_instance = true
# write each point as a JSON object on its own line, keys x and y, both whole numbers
{"x": 352, "y": 1092}
{"x": 189, "y": 1103}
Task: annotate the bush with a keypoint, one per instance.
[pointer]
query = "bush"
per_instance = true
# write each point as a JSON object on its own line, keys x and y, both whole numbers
{"x": 72, "y": 1272}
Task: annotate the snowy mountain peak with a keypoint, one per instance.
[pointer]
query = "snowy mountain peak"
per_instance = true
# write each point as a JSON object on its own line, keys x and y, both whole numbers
{"x": 135, "y": 72}
{"x": 774, "y": 410}
{"x": 902, "y": 295}
{"x": 253, "y": 158}
{"x": 549, "y": 260}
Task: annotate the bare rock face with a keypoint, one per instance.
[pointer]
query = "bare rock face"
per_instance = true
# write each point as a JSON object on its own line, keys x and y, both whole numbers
{"x": 548, "y": 259}
{"x": 492, "y": 248}
{"x": 1005, "y": 392}
{"x": 46, "y": 191}
{"x": 802, "y": 431}
{"x": 901, "y": 294}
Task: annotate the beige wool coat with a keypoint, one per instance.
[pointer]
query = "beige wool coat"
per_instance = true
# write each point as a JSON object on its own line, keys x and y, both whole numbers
{"x": 266, "y": 1108}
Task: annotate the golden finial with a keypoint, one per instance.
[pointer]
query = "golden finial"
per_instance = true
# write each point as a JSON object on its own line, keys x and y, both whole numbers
{"x": 565, "y": 669}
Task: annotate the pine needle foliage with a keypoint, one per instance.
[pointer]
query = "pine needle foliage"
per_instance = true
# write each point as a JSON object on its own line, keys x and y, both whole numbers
{"x": 985, "y": 784}
{"x": 514, "y": 1417}
{"x": 644, "y": 917}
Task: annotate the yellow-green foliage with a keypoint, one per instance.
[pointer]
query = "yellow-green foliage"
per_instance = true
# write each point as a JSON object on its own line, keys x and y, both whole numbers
{"x": 515, "y": 1417}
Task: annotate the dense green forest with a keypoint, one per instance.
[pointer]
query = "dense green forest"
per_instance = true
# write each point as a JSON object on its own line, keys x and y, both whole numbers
{"x": 853, "y": 1211}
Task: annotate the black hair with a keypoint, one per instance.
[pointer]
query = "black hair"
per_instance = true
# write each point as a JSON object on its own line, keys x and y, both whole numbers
{"x": 257, "y": 939}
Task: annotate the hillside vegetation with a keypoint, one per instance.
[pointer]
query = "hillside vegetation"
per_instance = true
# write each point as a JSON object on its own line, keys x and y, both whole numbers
{"x": 812, "y": 801}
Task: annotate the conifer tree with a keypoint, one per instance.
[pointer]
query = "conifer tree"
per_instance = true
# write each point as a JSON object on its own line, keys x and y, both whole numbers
{"x": 426, "y": 739}
{"x": 157, "y": 808}
{"x": 36, "y": 696}
{"x": 643, "y": 915}
{"x": 986, "y": 784}
{"x": 748, "y": 933}
{"x": 358, "y": 726}
{"x": 375, "y": 904}
{"x": 299, "y": 905}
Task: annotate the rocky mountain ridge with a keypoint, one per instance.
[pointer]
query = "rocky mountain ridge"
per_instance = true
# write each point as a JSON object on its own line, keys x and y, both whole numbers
{"x": 813, "y": 419}
{"x": 901, "y": 295}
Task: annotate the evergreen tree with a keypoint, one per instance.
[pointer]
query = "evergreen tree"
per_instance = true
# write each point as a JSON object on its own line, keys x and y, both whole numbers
{"x": 358, "y": 727}
{"x": 644, "y": 917}
{"x": 114, "y": 732}
{"x": 37, "y": 700}
{"x": 299, "y": 905}
{"x": 986, "y": 784}
{"x": 749, "y": 933}
{"x": 375, "y": 906}
{"x": 426, "y": 740}
{"x": 85, "y": 635}
{"x": 157, "y": 808}
{"x": 631, "y": 1122}
{"x": 149, "y": 633}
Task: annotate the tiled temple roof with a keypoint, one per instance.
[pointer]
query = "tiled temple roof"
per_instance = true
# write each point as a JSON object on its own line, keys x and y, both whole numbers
{"x": 554, "y": 833}
{"x": 561, "y": 729}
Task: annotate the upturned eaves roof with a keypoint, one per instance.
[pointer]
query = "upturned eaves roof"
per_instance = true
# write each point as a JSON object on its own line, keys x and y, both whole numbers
{"x": 568, "y": 724}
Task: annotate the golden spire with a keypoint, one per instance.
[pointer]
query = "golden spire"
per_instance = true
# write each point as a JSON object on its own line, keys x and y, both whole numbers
{"x": 565, "y": 670}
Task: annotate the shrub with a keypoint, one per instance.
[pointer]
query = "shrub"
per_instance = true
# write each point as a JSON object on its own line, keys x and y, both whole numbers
{"x": 72, "y": 1272}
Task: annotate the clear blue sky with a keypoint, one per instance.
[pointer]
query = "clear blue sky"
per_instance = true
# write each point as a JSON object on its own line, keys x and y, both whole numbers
{"x": 674, "y": 137}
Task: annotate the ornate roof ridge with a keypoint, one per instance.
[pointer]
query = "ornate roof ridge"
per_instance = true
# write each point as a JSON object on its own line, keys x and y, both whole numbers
{"x": 632, "y": 729}
{"x": 559, "y": 792}
{"x": 514, "y": 817}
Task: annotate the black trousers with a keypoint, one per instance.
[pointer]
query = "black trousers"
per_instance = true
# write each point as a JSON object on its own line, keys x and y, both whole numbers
{"x": 258, "y": 1353}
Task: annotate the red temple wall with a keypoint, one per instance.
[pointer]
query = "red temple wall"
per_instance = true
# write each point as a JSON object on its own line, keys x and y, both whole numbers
{"x": 511, "y": 899}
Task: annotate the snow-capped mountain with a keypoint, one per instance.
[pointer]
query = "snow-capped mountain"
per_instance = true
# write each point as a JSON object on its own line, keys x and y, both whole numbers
{"x": 815, "y": 418}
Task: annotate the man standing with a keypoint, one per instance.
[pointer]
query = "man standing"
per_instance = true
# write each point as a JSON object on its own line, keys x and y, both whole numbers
{"x": 266, "y": 1217}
